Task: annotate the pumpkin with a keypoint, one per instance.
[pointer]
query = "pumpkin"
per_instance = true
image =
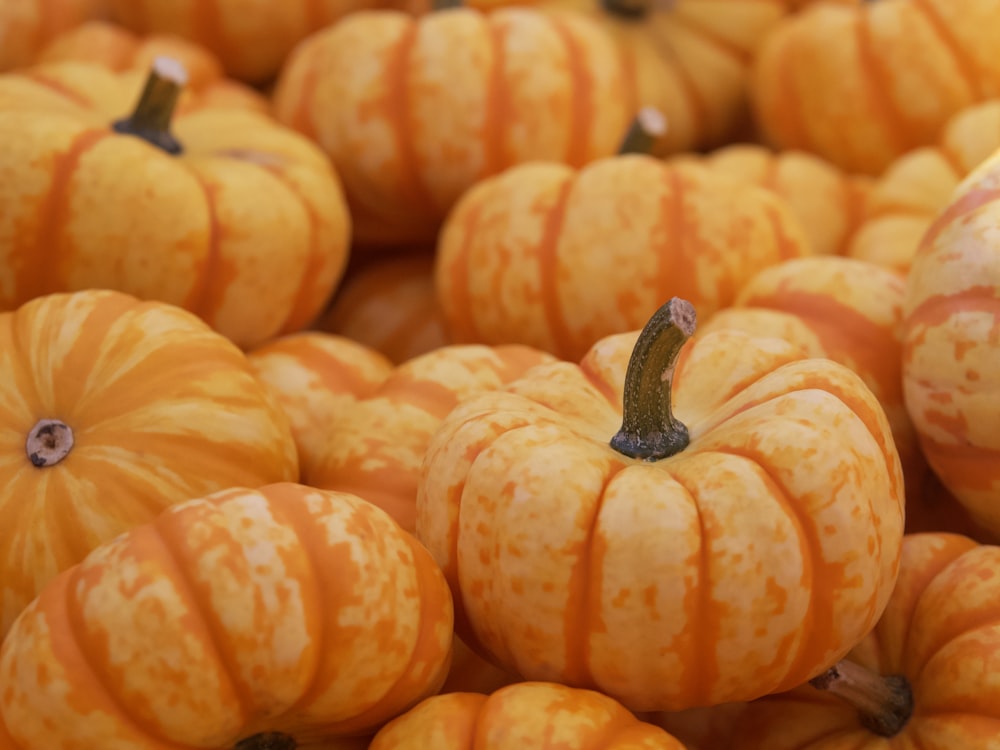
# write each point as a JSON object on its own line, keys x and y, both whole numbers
{"x": 376, "y": 447}
{"x": 704, "y": 728}
{"x": 111, "y": 409}
{"x": 315, "y": 376}
{"x": 907, "y": 198}
{"x": 525, "y": 716}
{"x": 735, "y": 536}
{"x": 951, "y": 355}
{"x": 924, "y": 678}
{"x": 830, "y": 204}
{"x": 410, "y": 129}
{"x": 119, "y": 49}
{"x": 247, "y": 618}
{"x": 860, "y": 86}
{"x": 390, "y": 305}
{"x": 224, "y": 212}
{"x": 845, "y": 309}
{"x": 27, "y": 25}
{"x": 556, "y": 258}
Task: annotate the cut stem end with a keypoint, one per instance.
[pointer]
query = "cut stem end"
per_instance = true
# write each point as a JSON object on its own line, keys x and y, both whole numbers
{"x": 48, "y": 443}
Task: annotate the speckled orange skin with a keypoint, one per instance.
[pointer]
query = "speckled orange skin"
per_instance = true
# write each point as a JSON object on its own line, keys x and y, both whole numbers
{"x": 377, "y": 446}
{"x": 745, "y": 564}
{"x": 526, "y": 716}
{"x": 413, "y": 112}
{"x": 283, "y": 609}
{"x": 119, "y": 49}
{"x": 862, "y": 85}
{"x": 942, "y": 631}
{"x": 951, "y": 355}
{"x": 845, "y": 309}
{"x": 27, "y": 25}
{"x": 556, "y": 258}
{"x": 829, "y": 203}
{"x": 908, "y": 197}
{"x": 390, "y": 305}
{"x": 161, "y": 407}
{"x": 247, "y": 227}
{"x": 316, "y": 376}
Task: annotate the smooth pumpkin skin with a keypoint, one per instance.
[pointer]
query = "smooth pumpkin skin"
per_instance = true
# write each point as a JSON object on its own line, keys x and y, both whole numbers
{"x": 283, "y": 609}
{"x": 556, "y": 258}
{"x": 784, "y": 516}
{"x": 27, "y": 25}
{"x": 315, "y": 377}
{"x": 941, "y": 630}
{"x": 161, "y": 407}
{"x": 529, "y": 715}
{"x": 247, "y": 227}
{"x": 829, "y": 203}
{"x": 917, "y": 186}
{"x": 410, "y": 129}
{"x": 862, "y": 85}
{"x": 379, "y": 441}
{"x": 951, "y": 357}
{"x": 389, "y": 303}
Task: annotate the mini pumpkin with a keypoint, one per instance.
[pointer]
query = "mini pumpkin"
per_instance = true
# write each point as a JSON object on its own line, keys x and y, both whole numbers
{"x": 27, "y": 25}
{"x": 112, "y": 409}
{"x": 671, "y": 533}
{"x": 222, "y": 212}
{"x": 252, "y": 619}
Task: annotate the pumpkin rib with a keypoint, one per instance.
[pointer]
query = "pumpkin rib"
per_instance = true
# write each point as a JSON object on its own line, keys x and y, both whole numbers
{"x": 698, "y": 108}
{"x": 582, "y": 105}
{"x": 675, "y": 242}
{"x": 964, "y": 65}
{"x": 459, "y": 296}
{"x": 199, "y": 297}
{"x": 548, "y": 264}
{"x": 495, "y": 109}
{"x": 877, "y": 86}
{"x": 38, "y": 76}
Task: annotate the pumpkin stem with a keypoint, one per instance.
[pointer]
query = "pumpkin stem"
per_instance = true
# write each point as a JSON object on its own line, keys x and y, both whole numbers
{"x": 628, "y": 9}
{"x": 151, "y": 118}
{"x": 649, "y": 429}
{"x": 648, "y": 126}
{"x": 267, "y": 741}
{"x": 446, "y": 4}
{"x": 49, "y": 442}
{"x": 884, "y": 703}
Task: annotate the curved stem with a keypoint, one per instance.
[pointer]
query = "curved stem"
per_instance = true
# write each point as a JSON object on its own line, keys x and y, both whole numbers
{"x": 884, "y": 703}
{"x": 151, "y": 118}
{"x": 646, "y": 129}
{"x": 649, "y": 429}
{"x": 267, "y": 741}
{"x": 48, "y": 443}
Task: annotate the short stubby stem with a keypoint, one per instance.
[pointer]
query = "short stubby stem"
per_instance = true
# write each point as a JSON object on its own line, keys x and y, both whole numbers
{"x": 152, "y": 115}
{"x": 48, "y": 443}
{"x": 267, "y": 741}
{"x": 884, "y": 702}
{"x": 646, "y": 129}
{"x": 650, "y": 430}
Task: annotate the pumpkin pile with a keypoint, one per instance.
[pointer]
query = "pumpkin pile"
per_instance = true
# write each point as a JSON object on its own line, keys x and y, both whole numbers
{"x": 499, "y": 374}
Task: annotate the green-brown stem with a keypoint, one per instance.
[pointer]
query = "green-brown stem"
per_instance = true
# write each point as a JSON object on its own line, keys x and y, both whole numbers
{"x": 151, "y": 118}
{"x": 649, "y": 429}
{"x": 267, "y": 741}
{"x": 48, "y": 443}
{"x": 884, "y": 703}
{"x": 446, "y": 4}
{"x": 648, "y": 126}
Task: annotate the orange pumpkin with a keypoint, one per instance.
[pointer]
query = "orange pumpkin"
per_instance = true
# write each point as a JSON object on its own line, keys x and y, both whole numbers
{"x": 410, "y": 129}
{"x": 390, "y": 305}
{"x": 117, "y": 48}
{"x": 951, "y": 351}
{"x": 526, "y": 716}
{"x": 26, "y": 25}
{"x": 376, "y": 447}
{"x": 908, "y": 197}
{"x": 276, "y": 614}
{"x": 236, "y": 218}
{"x": 556, "y": 258}
{"x": 772, "y": 478}
{"x": 862, "y": 85}
{"x": 924, "y": 678}
{"x": 111, "y": 409}
{"x": 316, "y": 376}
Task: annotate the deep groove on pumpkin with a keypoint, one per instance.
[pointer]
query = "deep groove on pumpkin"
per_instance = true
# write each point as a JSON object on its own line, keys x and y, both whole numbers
{"x": 966, "y": 65}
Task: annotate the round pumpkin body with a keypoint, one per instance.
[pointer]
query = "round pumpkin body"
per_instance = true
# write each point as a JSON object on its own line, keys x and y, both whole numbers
{"x": 283, "y": 611}
{"x": 410, "y": 129}
{"x": 556, "y": 258}
{"x": 111, "y": 409}
{"x": 525, "y": 716}
{"x": 246, "y": 226}
{"x": 377, "y": 446}
{"x": 27, "y": 25}
{"x": 745, "y": 563}
{"x": 842, "y": 82}
{"x": 940, "y": 632}
{"x": 951, "y": 355}
{"x": 316, "y": 376}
